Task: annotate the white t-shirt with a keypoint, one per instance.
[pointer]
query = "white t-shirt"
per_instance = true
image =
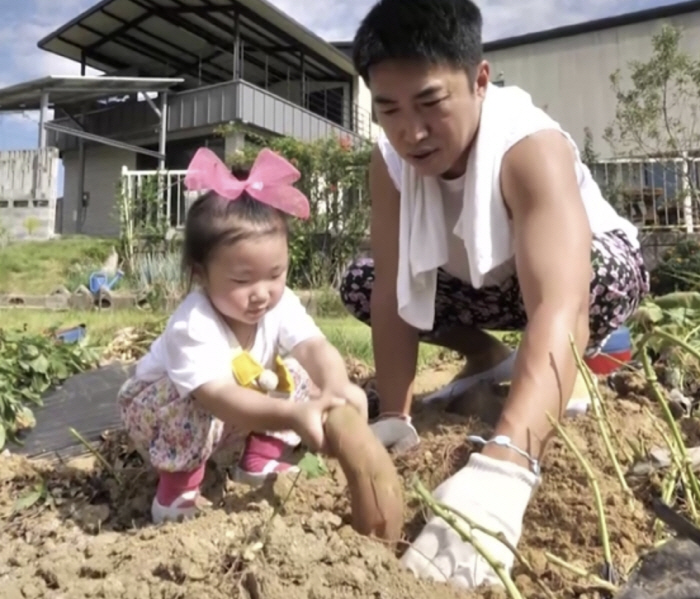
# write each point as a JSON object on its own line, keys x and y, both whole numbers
{"x": 197, "y": 346}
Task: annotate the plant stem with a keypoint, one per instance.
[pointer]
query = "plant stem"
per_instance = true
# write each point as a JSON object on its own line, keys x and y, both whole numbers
{"x": 466, "y": 536}
{"x": 603, "y": 423}
{"x": 653, "y": 381}
{"x": 596, "y": 580}
{"x": 502, "y": 539}
{"x": 668, "y": 486}
{"x": 602, "y": 523}
{"x": 100, "y": 458}
{"x": 677, "y": 460}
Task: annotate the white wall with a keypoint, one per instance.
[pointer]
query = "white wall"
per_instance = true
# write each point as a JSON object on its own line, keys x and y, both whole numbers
{"x": 570, "y": 77}
{"x": 28, "y": 189}
{"x": 363, "y": 99}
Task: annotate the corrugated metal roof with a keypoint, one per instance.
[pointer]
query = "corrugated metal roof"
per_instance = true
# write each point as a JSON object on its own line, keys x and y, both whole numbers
{"x": 72, "y": 90}
{"x": 194, "y": 39}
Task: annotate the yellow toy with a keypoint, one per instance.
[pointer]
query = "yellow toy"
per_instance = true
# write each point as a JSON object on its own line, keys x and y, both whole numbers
{"x": 249, "y": 373}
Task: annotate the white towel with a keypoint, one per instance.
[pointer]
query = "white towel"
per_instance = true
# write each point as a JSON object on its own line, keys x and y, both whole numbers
{"x": 508, "y": 115}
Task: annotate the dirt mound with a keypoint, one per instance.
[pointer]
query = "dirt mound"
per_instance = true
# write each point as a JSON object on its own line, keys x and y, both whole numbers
{"x": 80, "y": 530}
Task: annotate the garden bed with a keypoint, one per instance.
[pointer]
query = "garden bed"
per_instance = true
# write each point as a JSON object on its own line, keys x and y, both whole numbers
{"x": 81, "y": 529}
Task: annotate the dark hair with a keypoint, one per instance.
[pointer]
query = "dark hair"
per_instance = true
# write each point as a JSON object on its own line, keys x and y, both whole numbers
{"x": 437, "y": 31}
{"x": 213, "y": 221}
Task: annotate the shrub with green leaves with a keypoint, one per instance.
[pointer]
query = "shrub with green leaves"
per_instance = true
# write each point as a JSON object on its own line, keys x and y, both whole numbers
{"x": 679, "y": 269}
{"x": 30, "y": 365}
{"x": 334, "y": 178}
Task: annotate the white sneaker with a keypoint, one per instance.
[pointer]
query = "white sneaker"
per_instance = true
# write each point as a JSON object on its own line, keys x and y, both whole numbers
{"x": 183, "y": 508}
{"x": 580, "y": 401}
{"x": 396, "y": 432}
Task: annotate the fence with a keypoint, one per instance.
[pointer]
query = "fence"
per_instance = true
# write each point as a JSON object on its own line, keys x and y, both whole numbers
{"x": 137, "y": 184}
{"x": 28, "y": 190}
{"x": 653, "y": 193}
{"x": 154, "y": 205}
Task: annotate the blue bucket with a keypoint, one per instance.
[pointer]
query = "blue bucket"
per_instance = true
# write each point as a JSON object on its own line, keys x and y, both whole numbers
{"x": 72, "y": 335}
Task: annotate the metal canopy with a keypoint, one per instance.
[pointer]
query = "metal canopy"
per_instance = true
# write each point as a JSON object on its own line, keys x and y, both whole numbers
{"x": 67, "y": 91}
{"x": 196, "y": 39}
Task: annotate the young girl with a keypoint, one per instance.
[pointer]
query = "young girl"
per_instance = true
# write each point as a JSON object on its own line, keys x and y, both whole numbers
{"x": 240, "y": 354}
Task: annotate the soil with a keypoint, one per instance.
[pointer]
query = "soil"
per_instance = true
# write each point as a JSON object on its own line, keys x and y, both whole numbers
{"x": 87, "y": 533}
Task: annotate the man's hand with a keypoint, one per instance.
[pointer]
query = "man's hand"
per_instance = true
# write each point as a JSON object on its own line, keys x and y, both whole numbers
{"x": 494, "y": 494}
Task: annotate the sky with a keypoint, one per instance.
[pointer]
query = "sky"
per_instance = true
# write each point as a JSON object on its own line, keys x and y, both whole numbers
{"x": 25, "y": 22}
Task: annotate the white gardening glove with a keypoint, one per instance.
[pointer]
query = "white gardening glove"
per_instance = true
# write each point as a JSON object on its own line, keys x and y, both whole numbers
{"x": 494, "y": 494}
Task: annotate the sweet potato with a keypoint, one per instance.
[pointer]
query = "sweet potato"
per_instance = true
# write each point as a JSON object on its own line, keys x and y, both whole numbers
{"x": 376, "y": 494}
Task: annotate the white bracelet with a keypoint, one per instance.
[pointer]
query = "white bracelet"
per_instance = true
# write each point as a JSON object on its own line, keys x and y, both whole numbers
{"x": 503, "y": 441}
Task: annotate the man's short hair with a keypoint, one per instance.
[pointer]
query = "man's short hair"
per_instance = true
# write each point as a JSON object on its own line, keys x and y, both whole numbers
{"x": 437, "y": 31}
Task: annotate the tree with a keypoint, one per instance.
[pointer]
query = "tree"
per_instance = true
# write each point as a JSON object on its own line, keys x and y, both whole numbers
{"x": 657, "y": 110}
{"x": 658, "y": 114}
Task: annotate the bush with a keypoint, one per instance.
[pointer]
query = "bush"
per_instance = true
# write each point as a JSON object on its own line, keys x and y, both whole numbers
{"x": 30, "y": 365}
{"x": 334, "y": 178}
{"x": 679, "y": 269}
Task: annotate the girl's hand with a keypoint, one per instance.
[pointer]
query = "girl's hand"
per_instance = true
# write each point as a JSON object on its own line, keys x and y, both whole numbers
{"x": 355, "y": 396}
{"x": 351, "y": 393}
{"x": 309, "y": 417}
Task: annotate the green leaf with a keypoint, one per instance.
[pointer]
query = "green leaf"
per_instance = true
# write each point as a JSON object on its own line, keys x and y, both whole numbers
{"x": 31, "y": 351}
{"x": 31, "y": 498}
{"x": 40, "y": 364}
{"x": 313, "y": 465}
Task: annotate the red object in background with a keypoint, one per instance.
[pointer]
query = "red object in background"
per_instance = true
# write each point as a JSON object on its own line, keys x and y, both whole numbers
{"x": 616, "y": 352}
{"x": 605, "y": 363}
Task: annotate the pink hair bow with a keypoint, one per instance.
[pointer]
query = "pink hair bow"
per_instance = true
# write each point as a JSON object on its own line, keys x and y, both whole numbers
{"x": 270, "y": 181}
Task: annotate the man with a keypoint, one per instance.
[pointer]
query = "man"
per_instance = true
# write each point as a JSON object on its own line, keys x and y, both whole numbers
{"x": 483, "y": 217}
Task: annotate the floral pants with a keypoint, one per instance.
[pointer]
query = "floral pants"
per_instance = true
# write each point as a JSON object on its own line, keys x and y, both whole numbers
{"x": 176, "y": 433}
{"x": 619, "y": 281}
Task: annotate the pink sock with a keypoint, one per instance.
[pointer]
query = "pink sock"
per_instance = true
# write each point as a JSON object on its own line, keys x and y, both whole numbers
{"x": 259, "y": 450}
{"x": 173, "y": 484}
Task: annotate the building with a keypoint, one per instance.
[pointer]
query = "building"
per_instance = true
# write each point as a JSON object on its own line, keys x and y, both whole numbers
{"x": 567, "y": 70}
{"x": 238, "y": 61}
{"x": 213, "y": 62}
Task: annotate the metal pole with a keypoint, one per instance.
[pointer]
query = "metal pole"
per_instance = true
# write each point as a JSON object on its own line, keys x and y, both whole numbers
{"x": 43, "y": 110}
{"x": 164, "y": 210}
{"x": 81, "y": 211}
{"x": 163, "y": 138}
{"x": 81, "y": 204}
{"x": 302, "y": 64}
{"x": 236, "y": 71}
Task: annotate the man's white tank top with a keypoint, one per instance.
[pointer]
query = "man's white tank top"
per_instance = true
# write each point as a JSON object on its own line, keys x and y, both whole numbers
{"x": 602, "y": 217}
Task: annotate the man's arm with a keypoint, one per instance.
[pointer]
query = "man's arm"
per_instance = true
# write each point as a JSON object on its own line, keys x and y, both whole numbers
{"x": 552, "y": 257}
{"x": 395, "y": 343}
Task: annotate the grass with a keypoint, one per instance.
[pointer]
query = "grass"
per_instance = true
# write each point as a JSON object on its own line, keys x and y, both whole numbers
{"x": 42, "y": 266}
{"x": 39, "y": 267}
{"x": 101, "y": 325}
{"x": 352, "y": 338}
